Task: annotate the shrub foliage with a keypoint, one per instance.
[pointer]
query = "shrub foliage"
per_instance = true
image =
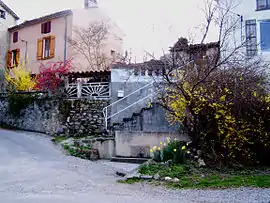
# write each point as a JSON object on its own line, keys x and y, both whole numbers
{"x": 227, "y": 115}
{"x": 174, "y": 150}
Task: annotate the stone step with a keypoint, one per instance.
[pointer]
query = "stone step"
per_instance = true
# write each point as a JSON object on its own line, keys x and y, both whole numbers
{"x": 129, "y": 160}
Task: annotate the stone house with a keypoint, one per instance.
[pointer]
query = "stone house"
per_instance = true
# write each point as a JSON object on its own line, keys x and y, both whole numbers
{"x": 199, "y": 53}
{"x": 8, "y": 18}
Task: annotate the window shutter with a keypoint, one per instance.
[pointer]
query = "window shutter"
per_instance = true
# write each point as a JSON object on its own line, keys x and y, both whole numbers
{"x": 39, "y": 49}
{"x": 265, "y": 38}
{"x": 52, "y": 46}
{"x": 43, "y": 28}
{"x": 251, "y": 38}
{"x": 17, "y": 57}
{"x": 49, "y": 27}
{"x": 15, "y": 37}
{"x": 9, "y": 58}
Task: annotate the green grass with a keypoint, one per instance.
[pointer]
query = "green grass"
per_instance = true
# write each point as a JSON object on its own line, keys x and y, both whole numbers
{"x": 130, "y": 181}
{"x": 192, "y": 177}
{"x": 215, "y": 181}
{"x": 83, "y": 152}
{"x": 59, "y": 139}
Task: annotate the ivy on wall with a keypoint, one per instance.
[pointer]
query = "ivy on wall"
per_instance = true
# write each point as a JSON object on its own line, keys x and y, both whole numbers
{"x": 18, "y": 102}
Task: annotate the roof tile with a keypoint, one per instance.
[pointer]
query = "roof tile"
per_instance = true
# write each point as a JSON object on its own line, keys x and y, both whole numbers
{"x": 41, "y": 19}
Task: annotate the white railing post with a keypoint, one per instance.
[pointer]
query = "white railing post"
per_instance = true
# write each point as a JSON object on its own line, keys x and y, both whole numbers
{"x": 79, "y": 88}
{"x": 105, "y": 113}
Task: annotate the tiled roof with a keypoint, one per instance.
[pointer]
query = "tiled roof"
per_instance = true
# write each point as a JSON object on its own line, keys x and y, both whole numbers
{"x": 9, "y": 10}
{"x": 181, "y": 45}
{"x": 41, "y": 19}
{"x": 91, "y": 70}
{"x": 152, "y": 64}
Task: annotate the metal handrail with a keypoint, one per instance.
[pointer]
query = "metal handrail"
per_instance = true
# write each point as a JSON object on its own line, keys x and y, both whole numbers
{"x": 130, "y": 106}
{"x": 130, "y": 94}
{"x": 105, "y": 110}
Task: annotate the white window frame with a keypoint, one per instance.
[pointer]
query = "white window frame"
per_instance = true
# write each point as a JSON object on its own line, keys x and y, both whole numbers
{"x": 13, "y": 57}
{"x": 46, "y": 53}
{"x": 266, "y": 5}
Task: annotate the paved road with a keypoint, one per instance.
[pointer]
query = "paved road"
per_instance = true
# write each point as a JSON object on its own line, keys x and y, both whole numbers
{"x": 33, "y": 170}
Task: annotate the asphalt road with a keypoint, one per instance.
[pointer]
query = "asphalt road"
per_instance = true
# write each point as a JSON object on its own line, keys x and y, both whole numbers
{"x": 33, "y": 170}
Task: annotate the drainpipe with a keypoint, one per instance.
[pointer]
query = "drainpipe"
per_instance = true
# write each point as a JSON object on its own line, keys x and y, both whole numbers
{"x": 26, "y": 51}
{"x": 241, "y": 24}
{"x": 65, "y": 50}
{"x": 65, "y": 45}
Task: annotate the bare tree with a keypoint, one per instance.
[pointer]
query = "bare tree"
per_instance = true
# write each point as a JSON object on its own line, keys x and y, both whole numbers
{"x": 196, "y": 71}
{"x": 90, "y": 43}
{"x": 230, "y": 51}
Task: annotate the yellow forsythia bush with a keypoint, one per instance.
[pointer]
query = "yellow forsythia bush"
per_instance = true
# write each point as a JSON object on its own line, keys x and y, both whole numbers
{"x": 20, "y": 78}
{"x": 227, "y": 117}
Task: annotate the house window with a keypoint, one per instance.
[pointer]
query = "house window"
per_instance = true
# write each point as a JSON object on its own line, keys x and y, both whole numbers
{"x": 2, "y": 14}
{"x": 251, "y": 38}
{"x": 263, "y": 4}
{"x": 112, "y": 53}
{"x": 264, "y": 34}
{"x": 46, "y": 27}
{"x": 45, "y": 48}
{"x": 13, "y": 58}
{"x": 15, "y": 37}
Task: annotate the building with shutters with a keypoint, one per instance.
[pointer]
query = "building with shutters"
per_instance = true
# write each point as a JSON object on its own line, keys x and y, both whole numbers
{"x": 8, "y": 18}
{"x": 254, "y": 18}
{"x": 45, "y": 39}
{"x": 39, "y": 40}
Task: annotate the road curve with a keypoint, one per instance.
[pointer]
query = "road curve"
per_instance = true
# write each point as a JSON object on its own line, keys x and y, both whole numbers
{"x": 33, "y": 170}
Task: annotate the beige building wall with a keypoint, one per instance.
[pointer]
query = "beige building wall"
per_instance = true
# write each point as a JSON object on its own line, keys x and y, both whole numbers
{"x": 82, "y": 18}
{"x": 31, "y": 34}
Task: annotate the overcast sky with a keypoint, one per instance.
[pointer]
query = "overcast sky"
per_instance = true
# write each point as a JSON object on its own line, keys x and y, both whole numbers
{"x": 150, "y": 25}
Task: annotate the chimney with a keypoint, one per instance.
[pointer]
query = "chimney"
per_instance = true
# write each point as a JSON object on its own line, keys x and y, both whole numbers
{"x": 90, "y": 3}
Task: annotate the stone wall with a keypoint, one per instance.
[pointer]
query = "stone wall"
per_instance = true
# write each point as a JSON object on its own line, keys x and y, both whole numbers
{"x": 83, "y": 117}
{"x": 40, "y": 116}
{"x": 149, "y": 119}
{"x": 57, "y": 116}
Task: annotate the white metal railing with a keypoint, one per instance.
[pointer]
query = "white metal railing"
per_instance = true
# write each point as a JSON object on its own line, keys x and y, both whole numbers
{"x": 105, "y": 110}
{"x": 93, "y": 90}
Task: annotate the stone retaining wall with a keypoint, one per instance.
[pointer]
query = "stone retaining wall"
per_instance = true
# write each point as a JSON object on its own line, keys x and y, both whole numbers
{"x": 56, "y": 116}
{"x": 138, "y": 144}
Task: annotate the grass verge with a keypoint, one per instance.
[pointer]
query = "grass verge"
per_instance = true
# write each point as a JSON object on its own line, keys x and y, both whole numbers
{"x": 59, "y": 139}
{"x": 192, "y": 177}
{"x": 130, "y": 181}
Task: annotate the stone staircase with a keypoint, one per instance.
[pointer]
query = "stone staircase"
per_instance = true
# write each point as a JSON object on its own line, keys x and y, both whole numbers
{"x": 150, "y": 119}
{"x": 136, "y": 134}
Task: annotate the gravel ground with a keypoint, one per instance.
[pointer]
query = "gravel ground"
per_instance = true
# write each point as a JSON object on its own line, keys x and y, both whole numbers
{"x": 33, "y": 170}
